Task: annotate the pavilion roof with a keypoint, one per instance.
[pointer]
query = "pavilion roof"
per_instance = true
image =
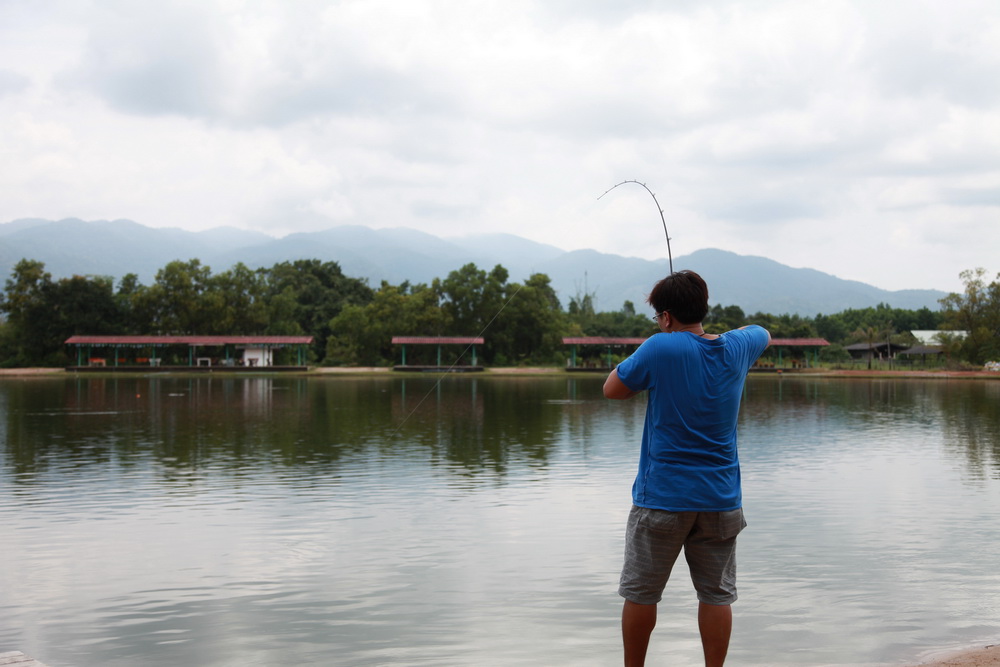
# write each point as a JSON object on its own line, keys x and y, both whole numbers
{"x": 799, "y": 342}
{"x": 111, "y": 341}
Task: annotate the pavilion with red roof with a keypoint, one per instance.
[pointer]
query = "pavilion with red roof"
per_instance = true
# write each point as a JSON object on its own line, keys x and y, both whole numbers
{"x": 203, "y": 351}
{"x": 469, "y": 342}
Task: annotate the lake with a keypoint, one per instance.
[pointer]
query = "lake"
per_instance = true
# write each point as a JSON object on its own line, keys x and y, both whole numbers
{"x": 460, "y": 520}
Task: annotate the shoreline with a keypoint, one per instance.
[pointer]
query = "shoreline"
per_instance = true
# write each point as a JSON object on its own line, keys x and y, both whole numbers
{"x": 981, "y": 656}
{"x": 553, "y": 370}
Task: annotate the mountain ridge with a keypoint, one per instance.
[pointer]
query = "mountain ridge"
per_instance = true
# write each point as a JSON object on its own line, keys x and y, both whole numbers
{"x": 114, "y": 248}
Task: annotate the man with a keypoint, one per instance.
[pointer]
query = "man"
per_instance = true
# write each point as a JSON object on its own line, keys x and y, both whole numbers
{"x": 687, "y": 491}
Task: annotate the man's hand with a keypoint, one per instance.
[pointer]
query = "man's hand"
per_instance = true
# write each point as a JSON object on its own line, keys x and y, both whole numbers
{"x": 616, "y": 389}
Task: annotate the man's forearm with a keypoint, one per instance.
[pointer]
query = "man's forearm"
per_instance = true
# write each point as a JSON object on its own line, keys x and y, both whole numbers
{"x": 615, "y": 389}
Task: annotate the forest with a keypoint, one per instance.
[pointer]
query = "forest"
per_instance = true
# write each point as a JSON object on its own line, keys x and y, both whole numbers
{"x": 353, "y": 323}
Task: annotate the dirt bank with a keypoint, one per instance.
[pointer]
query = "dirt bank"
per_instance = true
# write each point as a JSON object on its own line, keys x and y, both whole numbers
{"x": 987, "y": 656}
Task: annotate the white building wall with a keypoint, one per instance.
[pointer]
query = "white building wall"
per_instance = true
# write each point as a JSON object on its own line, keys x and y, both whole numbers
{"x": 257, "y": 356}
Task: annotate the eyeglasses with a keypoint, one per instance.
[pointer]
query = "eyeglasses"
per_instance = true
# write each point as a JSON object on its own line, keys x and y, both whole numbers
{"x": 656, "y": 318}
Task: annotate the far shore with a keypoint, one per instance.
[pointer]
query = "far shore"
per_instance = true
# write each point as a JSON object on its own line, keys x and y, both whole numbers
{"x": 554, "y": 370}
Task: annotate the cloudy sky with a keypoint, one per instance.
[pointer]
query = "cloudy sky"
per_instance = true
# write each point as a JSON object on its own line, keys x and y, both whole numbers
{"x": 856, "y": 137}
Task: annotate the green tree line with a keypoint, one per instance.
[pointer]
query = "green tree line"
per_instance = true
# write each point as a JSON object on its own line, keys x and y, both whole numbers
{"x": 353, "y": 323}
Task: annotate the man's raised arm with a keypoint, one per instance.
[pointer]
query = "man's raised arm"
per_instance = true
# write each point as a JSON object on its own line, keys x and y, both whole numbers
{"x": 616, "y": 389}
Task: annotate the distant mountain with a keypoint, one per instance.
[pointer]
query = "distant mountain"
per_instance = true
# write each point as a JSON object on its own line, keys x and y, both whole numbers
{"x": 775, "y": 288}
{"x": 114, "y": 248}
{"x": 756, "y": 284}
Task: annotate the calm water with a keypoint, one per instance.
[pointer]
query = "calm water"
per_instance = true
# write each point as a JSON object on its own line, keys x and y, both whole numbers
{"x": 390, "y": 521}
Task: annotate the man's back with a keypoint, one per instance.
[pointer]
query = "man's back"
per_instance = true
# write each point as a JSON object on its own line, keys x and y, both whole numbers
{"x": 688, "y": 459}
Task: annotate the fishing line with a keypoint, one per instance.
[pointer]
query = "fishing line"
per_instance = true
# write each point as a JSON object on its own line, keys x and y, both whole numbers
{"x": 670, "y": 257}
{"x": 450, "y": 368}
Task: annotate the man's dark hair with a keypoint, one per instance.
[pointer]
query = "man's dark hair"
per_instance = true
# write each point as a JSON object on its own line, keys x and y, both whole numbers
{"x": 683, "y": 294}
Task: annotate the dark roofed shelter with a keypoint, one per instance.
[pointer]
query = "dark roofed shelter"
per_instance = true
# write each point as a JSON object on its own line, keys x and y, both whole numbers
{"x": 871, "y": 351}
{"x": 257, "y": 350}
{"x": 439, "y": 341}
{"x": 925, "y": 352}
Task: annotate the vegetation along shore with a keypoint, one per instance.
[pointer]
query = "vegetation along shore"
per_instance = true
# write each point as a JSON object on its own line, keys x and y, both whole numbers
{"x": 352, "y": 324}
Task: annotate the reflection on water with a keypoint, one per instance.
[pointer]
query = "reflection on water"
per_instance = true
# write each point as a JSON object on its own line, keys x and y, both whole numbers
{"x": 877, "y": 505}
{"x": 380, "y": 521}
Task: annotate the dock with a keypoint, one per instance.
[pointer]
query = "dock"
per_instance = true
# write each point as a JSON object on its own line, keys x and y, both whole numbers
{"x": 19, "y": 659}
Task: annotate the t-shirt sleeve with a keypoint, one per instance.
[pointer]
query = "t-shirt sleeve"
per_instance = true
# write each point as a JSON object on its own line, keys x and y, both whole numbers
{"x": 634, "y": 372}
{"x": 753, "y": 341}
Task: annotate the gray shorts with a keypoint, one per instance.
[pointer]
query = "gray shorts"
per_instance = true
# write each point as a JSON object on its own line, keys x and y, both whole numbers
{"x": 653, "y": 540}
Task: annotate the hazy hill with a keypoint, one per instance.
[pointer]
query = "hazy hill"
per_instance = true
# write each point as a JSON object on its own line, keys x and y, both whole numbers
{"x": 114, "y": 248}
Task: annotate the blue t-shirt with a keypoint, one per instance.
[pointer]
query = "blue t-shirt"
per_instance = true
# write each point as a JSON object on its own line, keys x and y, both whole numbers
{"x": 689, "y": 460}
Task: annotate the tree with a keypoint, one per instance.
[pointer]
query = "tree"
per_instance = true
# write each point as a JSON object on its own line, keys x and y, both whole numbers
{"x": 976, "y": 312}
{"x": 831, "y": 327}
{"x": 353, "y": 343}
{"x": 528, "y": 328}
{"x": 472, "y": 297}
{"x": 242, "y": 303}
{"x": 42, "y": 314}
{"x": 840, "y": 326}
{"x": 84, "y": 305}
{"x": 581, "y": 311}
{"x": 319, "y": 291}
{"x": 924, "y": 319}
{"x": 362, "y": 335}
{"x": 722, "y": 319}
{"x": 24, "y": 288}
{"x": 282, "y": 309}
{"x": 23, "y": 304}
{"x": 624, "y": 323}
{"x": 180, "y": 301}
{"x": 126, "y": 297}
{"x": 785, "y": 326}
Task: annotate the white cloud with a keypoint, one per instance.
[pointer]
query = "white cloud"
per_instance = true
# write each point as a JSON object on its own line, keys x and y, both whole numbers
{"x": 12, "y": 82}
{"x": 842, "y": 135}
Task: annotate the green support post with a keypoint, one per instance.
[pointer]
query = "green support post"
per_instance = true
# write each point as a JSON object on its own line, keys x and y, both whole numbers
{"x": 474, "y": 356}
{"x": 404, "y": 354}
{"x": 439, "y": 356}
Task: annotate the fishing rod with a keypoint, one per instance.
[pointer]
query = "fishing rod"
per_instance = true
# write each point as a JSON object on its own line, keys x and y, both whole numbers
{"x": 670, "y": 257}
